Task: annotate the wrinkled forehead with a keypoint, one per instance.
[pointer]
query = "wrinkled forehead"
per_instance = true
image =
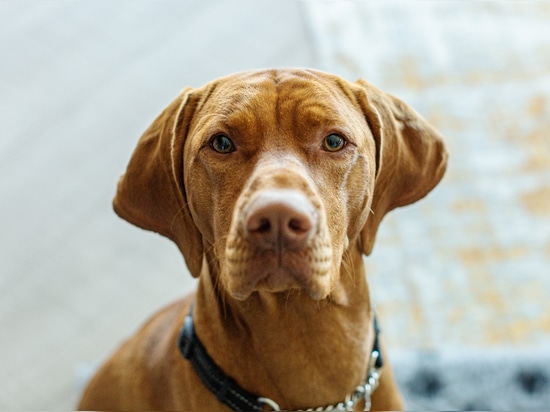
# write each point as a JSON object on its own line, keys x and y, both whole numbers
{"x": 272, "y": 97}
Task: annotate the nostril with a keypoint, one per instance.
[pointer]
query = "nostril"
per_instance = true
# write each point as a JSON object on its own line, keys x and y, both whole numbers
{"x": 259, "y": 223}
{"x": 299, "y": 226}
{"x": 263, "y": 226}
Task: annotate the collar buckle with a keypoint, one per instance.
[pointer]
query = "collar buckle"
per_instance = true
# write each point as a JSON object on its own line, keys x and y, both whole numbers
{"x": 269, "y": 402}
{"x": 185, "y": 341}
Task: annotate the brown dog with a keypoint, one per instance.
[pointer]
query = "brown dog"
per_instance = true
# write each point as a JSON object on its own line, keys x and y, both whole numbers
{"x": 272, "y": 184}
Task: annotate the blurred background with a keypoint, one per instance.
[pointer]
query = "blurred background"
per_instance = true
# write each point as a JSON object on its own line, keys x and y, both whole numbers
{"x": 461, "y": 279}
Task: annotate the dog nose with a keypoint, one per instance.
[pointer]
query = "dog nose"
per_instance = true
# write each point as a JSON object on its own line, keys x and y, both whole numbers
{"x": 280, "y": 219}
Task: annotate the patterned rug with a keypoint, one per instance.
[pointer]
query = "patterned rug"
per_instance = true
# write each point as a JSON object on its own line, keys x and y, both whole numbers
{"x": 467, "y": 267}
{"x": 480, "y": 380}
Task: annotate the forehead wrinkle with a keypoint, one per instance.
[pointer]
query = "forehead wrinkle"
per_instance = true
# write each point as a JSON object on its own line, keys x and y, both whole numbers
{"x": 236, "y": 99}
{"x": 314, "y": 107}
{"x": 243, "y": 106}
{"x": 316, "y": 87}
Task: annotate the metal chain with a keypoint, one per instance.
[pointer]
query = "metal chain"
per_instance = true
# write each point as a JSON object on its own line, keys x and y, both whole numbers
{"x": 361, "y": 393}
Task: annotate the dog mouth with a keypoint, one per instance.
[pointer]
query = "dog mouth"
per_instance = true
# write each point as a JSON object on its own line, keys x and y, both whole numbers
{"x": 272, "y": 283}
{"x": 261, "y": 276}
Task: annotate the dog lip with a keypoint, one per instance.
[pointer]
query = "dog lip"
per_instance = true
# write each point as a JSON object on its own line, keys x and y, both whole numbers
{"x": 317, "y": 290}
{"x": 240, "y": 296}
{"x": 242, "y": 292}
{"x": 279, "y": 281}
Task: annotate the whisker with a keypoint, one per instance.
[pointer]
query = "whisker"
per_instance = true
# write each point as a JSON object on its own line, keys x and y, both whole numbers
{"x": 348, "y": 265}
{"x": 216, "y": 260}
{"x": 287, "y": 298}
{"x": 180, "y": 210}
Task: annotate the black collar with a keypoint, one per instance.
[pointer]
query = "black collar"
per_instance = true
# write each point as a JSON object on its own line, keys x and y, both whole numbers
{"x": 226, "y": 389}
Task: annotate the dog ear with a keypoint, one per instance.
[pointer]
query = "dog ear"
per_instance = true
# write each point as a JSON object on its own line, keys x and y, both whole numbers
{"x": 151, "y": 193}
{"x": 411, "y": 156}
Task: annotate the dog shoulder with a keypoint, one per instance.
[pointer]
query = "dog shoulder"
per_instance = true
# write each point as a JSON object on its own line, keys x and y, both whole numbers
{"x": 141, "y": 363}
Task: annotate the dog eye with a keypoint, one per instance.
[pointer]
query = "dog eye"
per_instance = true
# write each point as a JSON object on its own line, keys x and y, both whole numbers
{"x": 334, "y": 142}
{"x": 222, "y": 144}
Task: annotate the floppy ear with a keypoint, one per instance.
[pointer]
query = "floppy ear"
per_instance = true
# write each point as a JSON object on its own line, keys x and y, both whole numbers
{"x": 151, "y": 194}
{"x": 411, "y": 156}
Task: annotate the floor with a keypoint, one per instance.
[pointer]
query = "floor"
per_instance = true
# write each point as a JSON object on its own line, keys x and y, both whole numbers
{"x": 468, "y": 265}
{"x": 80, "y": 81}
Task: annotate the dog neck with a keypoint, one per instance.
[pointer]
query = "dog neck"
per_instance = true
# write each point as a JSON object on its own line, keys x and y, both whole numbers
{"x": 287, "y": 346}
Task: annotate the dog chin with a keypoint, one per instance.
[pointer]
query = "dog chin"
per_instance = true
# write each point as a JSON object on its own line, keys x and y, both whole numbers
{"x": 317, "y": 289}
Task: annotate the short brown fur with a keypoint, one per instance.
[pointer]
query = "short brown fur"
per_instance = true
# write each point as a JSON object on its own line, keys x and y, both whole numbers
{"x": 291, "y": 325}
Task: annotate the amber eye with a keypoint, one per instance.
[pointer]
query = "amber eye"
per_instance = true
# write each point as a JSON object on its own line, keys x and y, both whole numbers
{"x": 334, "y": 142}
{"x": 222, "y": 144}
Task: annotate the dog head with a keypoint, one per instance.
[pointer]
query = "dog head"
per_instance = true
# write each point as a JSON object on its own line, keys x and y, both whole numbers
{"x": 275, "y": 175}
